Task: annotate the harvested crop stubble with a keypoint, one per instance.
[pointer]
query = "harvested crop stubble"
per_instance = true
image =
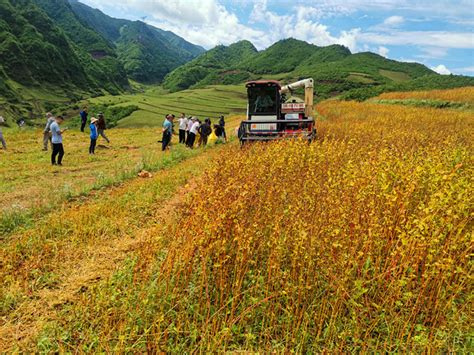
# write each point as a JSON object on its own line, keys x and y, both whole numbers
{"x": 360, "y": 241}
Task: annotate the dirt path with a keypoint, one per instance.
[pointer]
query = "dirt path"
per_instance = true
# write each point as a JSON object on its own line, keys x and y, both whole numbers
{"x": 80, "y": 266}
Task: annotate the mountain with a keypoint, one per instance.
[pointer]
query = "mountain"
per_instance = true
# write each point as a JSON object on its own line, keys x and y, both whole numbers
{"x": 35, "y": 51}
{"x": 97, "y": 53}
{"x": 55, "y": 51}
{"x": 218, "y": 65}
{"x": 146, "y": 52}
{"x": 334, "y": 68}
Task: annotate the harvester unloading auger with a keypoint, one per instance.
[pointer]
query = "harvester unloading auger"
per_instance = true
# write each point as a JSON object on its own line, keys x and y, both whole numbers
{"x": 269, "y": 118}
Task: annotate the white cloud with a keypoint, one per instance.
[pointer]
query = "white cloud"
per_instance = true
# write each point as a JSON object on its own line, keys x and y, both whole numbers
{"x": 465, "y": 70}
{"x": 442, "y": 8}
{"x": 433, "y": 52}
{"x": 383, "y": 51}
{"x": 393, "y": 21}
{"x": 209, "y": 22}
{"x": 300, "y": 26}
{"x": 421, "y": 38}
{"x": 441, "y": 69}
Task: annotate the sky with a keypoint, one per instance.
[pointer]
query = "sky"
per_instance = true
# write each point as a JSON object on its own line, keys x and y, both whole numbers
{"x": 437, "y": 33}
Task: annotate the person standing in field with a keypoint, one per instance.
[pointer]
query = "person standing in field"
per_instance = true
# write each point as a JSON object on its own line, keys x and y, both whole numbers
{"x": 218, "y": 132}
{"x": 193, "y": 131}
{"x": 205, "y": 130}
{"x": 101, "y": 127}
{"x": 167, "y": 132}
{"x": 57, "y": 140}
{"x": 183, "y": 125}
{"x": 2, "y": 139}
{"x": 188, "y": 129}
{"x": 47, "y": 131}
{"x": 222, "y": 124}
{"x": 94, "y": 135}
{"x": 83, "y": 115}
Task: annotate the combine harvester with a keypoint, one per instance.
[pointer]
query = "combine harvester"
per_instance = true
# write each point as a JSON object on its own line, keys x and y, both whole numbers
{"x": 269, "y": 118}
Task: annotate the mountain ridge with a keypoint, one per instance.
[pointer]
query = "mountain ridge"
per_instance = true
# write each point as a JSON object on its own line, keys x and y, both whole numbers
{"x": 334, "y": 68}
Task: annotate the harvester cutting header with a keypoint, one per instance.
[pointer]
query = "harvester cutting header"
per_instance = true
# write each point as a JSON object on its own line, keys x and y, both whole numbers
{"x": 269, "y": 118}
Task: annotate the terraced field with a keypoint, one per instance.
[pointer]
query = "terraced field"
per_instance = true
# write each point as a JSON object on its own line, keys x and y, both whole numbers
{"x": 155, "y": 103}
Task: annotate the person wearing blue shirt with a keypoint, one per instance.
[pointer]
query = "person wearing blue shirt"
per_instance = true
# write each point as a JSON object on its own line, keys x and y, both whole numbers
{"x": 83, "y": 114}
{"x": 57, "y": 140}
{"x": 94, "y": 135}
{"x": 167, "y": 131}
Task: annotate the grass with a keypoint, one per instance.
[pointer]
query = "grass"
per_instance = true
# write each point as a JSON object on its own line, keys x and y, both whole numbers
{"x": 30, "y": 186}
{"x": 55, "y": 259}
{"x": 396, "y": 76}
{"x": 154, "y": 104}
{"x": 361, "y": 78}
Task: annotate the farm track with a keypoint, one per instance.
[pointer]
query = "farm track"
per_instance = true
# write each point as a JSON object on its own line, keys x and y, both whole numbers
{"x": 79, "y": 267}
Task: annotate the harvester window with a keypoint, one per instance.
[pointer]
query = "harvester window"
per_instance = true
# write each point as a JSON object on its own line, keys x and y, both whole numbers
{"x": 263, "y": 99}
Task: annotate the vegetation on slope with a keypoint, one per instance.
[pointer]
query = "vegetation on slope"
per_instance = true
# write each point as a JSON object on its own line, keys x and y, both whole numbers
{"x": 34, "y": 50}
{"x": 215, "y": 66}
{"x": 154, "y": 104}
{"x": 334, "y": 68}
{"x": 97, "y": 54}
{"x": 146, "y": 52}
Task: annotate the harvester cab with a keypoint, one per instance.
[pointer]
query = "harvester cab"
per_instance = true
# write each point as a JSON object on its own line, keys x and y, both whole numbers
{"x": 269, "y": 118}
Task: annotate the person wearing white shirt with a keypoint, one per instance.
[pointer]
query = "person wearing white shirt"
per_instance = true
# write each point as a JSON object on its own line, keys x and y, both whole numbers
{"x": 183, "y": 126}
{"x": 47, "y": 131}
{"x": 193, "y": 131}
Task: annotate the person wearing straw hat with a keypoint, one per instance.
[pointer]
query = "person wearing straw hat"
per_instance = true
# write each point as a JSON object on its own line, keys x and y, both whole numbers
{"x": 94, "y": 135}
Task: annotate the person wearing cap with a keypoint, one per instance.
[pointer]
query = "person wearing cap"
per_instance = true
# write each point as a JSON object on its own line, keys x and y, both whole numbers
{"x": 183, "y": 125}
{"x": 101, "y": 127}
{"x": 57, "y": 140}
{"x": 167, "y": 131}
{"x": 94, "y": 135}
{"x": 47, "y": 131}
{"x": 2, "y": 139}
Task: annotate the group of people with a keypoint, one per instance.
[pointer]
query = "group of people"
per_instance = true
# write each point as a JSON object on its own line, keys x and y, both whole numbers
{"x": 53, "y": 134}
{"x": 192, "y": 132}
{"x": 190, "y": 128}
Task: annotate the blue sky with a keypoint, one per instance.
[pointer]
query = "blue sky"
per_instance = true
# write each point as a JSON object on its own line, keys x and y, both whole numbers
{"x": 437, "y": 33}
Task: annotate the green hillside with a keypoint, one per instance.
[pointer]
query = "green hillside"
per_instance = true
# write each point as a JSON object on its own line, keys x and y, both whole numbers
{"x": 334, "y": 68}
{"x": 98, "y": 54}
{"x": 34, "y": 50}
{"x": 147, "y": 53}
{"x": 216, "y": 66}
{"x": 55, "y": 52}
{"x": 153, "y": 104}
